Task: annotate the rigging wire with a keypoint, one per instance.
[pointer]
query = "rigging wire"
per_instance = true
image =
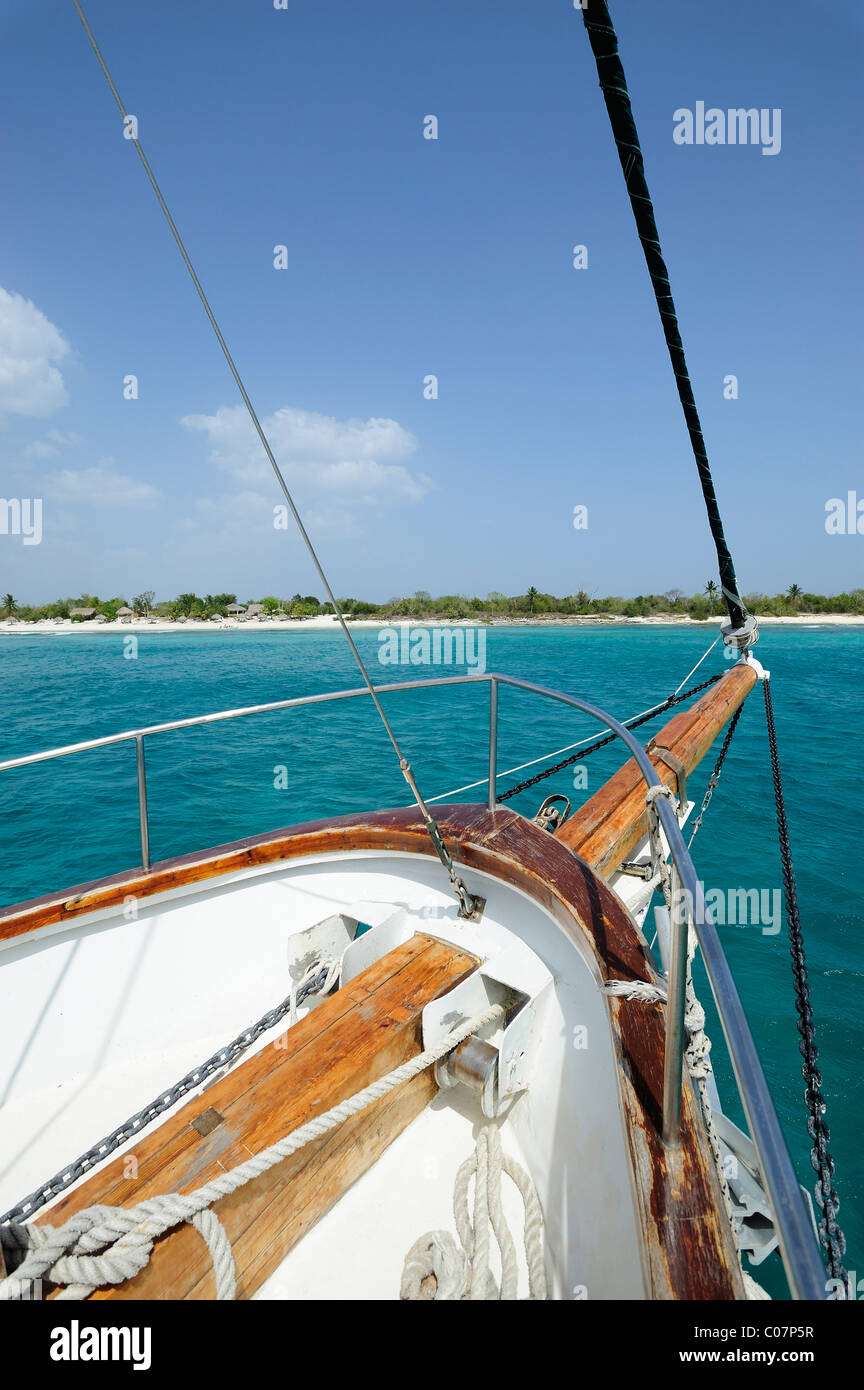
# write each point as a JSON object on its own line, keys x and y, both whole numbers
{"x": 610, "y": 738}
{"x": 613, "y": 84}
{"x": 698, "y": 664}
{"x": 467, "y": 905}
{"x": 633, "y": 722}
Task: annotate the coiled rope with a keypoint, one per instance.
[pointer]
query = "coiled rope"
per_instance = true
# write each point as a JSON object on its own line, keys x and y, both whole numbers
{"x": 436, "y": 1268}
{"x": 108, "y": 1245}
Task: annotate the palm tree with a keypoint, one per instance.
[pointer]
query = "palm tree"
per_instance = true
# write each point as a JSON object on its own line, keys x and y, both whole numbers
{"x": 532, "y": 595}
{"x": 184, "y": 603}
{"x": 793, "y": 593}
{"x": 711, "y": 590}
{"x": 9, "y": 605}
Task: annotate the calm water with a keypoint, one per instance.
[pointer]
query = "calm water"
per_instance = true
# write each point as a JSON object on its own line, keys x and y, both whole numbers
{"x": 66, "y": 822}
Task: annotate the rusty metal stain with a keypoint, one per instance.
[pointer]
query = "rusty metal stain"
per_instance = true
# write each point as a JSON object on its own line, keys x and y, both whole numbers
{"x": 206, "y": 1122}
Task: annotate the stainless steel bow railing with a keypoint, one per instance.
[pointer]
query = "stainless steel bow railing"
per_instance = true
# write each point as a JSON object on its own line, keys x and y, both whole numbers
{"x": 792, "y": 1221}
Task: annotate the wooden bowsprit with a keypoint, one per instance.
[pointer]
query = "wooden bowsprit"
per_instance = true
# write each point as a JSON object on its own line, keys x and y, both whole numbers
{"x": 606, "y": 829}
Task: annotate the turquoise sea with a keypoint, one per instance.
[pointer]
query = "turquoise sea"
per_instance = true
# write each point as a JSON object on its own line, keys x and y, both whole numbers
{"x": 63, "y": 823}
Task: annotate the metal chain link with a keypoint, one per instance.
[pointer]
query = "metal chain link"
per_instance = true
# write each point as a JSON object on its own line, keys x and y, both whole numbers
{"x": 715, "y": 775}
{"x": 610, "y": 738}
{"x": 139, "y": 1121}
{"x": 830, "y": 1234}
{"x": 47, "y": 1191}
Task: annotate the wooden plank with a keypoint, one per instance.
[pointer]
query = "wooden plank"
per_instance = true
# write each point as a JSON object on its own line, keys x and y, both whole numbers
{"x": 351, "y": 1039}
{"x": 690, "y": 1254}
{"x": 608, "y": 827}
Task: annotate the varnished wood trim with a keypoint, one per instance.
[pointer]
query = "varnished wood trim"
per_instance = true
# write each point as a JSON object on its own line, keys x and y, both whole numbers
{"x": 689, "y": 1247}
{"x": 358, "y": 1035}
{"x": 609, "y": 825}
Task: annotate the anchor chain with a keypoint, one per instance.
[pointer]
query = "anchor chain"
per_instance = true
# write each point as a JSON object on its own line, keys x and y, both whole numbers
{"x": 610, "y": 738}
{"x": 136, "y": 1123}
{"x": 715, "y": 775}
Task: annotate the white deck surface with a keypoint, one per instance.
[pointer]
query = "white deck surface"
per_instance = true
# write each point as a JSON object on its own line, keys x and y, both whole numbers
{"x": 104, "y": 1015}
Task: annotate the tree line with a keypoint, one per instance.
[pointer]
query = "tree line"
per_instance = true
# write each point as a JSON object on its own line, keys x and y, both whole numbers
{"x": 421, "y": 604}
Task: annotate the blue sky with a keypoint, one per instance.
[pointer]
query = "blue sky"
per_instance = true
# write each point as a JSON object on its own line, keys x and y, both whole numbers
{"x": 409, "y": 257}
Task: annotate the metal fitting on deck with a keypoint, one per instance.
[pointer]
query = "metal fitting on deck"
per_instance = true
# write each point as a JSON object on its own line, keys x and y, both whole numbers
{"x": 474, "y": 1063}
{"x": 747, "y": 635}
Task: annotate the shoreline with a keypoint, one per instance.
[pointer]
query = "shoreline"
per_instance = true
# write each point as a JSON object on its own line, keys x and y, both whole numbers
{"x": 64, "y": 627}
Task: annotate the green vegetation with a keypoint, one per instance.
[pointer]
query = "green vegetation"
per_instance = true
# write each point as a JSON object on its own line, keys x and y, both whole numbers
{"x": 143, "y": 603}
{"x": 496, "y": 605}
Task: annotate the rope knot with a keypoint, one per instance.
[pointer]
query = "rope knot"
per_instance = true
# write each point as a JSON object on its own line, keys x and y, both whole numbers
{"x": 437, "y": 1268}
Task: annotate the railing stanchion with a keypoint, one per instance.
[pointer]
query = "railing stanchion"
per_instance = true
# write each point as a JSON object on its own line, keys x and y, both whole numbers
{"x": 673, "y": 1056}
{"x": 799, "y": 1246}
{"x": 142, "y": 801}
{"x": 493, "y": 742}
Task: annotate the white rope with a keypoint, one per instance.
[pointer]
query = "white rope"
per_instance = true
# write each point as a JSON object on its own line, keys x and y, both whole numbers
{"x": 210, "y": 1228}
{"x": 333, "y": 965}
{"x": 699, "y": 1066}
{"x": 753, "y": 1289}
{"x": 437, "y": 1268}
{"x": 107, "y": 1245}
{"x": 660, "y": 789}
{"x": 697, "y": 1057}
{"x": 635, "y": 989}
{"x": 698, "y": 664}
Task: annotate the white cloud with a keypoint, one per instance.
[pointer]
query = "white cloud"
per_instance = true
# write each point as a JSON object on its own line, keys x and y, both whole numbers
{"x": 237, "y": 512}
{"x": 349, "y": 460}
{"x": 245, "y": 522}
{"x": 30, "y": 345}
{"x": 52, "y": 445}
{"x": 41, "y": 449}
{"x": 99, "y": 486}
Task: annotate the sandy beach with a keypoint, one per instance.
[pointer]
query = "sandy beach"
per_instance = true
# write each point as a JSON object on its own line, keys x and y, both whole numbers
{"x": 65, "y": 627}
